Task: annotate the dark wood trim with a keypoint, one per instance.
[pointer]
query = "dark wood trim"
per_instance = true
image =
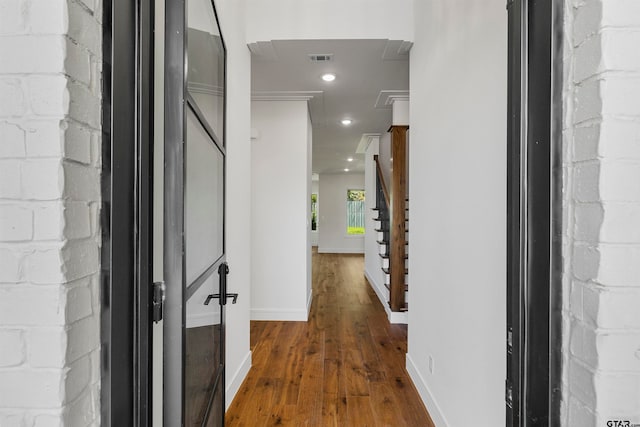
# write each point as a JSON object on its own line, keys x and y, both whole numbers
{"x": 398, "y": 222}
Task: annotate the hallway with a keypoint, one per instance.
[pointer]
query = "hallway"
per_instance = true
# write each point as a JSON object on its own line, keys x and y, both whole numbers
{"x": 345, "y": 367}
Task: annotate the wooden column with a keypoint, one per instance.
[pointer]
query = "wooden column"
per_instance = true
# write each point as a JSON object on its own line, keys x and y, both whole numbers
{"x": 398, "y": 223}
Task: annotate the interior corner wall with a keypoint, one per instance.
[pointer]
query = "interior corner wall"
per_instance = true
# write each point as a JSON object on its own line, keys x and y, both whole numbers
{"x": 329, "y": 19}
{"x": 238, "y": 195}
{"x": 280, "y": 210}
{"x": 457, "y": 258}
{"x": 309, "y": 143}
{"x": 332, "y": 223}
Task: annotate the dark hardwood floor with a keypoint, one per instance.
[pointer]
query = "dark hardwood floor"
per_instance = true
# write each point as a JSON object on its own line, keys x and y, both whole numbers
{"x": 344, "y": 367}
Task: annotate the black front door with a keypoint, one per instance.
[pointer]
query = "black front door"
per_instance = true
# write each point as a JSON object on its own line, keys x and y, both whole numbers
{"x": 534, "y": 215}
{"x": 194, "y": 207}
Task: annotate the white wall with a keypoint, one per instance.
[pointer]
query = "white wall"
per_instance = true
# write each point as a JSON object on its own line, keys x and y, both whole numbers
{"x": 458, "y": 204}
{"x": 238, "y": 218}
{"x": 50, "y": 89}
{"x": 280, "y": 214}
{"x": 333, "y": 236}
{"x": 315, "y": 187}
{"x": 601, "y": 242}
{"x": 329, "y": 19}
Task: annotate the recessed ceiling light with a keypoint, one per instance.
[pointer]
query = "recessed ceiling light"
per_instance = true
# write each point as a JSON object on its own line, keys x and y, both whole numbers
{"x": 329, "y": 77}
{"x": 350, "y": 159}
{"x": 346, "y": 122}
{"x": 346, "y": 170}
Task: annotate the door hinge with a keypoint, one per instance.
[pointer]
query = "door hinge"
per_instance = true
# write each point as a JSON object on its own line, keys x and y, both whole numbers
{"x": 508, "y": 394}
{"x": 157, "y": 302}
{"x": 510, "y": 340}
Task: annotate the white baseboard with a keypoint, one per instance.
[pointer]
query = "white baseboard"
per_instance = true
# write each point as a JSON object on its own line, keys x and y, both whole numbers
{"x": 395, "y": 317}
{"x": 236, "y": 380}
{"x": 339, "y": 251}
{"x": 427, "y": 397}
{"x": 398, "y": 317}
{"x": 279, "y": 314}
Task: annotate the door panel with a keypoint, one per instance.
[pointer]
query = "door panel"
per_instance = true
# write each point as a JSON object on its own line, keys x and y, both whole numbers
{"x": 203, "y": 358}
{"x": 194, "y": 206}
{"x": 204, "y": 200}
{"x": 205, "y": 77}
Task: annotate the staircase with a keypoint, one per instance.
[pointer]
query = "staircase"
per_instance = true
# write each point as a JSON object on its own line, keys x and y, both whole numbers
{"x": 393, "y": 249}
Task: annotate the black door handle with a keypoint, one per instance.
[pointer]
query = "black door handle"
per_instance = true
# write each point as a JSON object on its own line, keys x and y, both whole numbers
{"x": 223, "y": 270}
{"x": 210, "y": 297}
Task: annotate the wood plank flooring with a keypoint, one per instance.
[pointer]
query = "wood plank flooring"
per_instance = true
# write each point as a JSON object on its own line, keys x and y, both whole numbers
{"x": 344, "y": 367}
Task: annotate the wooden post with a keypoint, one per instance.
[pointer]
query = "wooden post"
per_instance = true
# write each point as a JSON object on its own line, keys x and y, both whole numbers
{"x": 398, "y": 223}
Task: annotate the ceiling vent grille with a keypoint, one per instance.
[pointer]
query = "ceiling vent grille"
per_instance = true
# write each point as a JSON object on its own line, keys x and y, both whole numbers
{"x": 321, "y": 57}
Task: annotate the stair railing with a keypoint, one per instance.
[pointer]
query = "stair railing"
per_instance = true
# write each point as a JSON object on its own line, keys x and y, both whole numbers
{"x": 393, "y": 247}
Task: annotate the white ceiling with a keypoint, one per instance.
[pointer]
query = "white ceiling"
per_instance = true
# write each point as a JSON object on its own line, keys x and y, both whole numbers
{"x": 367, "y": 72}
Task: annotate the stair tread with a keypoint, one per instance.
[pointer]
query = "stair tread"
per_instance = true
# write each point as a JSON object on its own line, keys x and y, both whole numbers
{"x": 403, "y": 309}
{"x": 406, "y": 287}
{"x": 386, "y": 256}
{"x": 386, "y": 271}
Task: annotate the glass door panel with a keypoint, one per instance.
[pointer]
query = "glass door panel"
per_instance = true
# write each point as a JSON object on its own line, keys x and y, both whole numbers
{"x": 203, "y": 358}
{"x": 204, "y": 200}
{"x": 204, "y": 251}
{"x": 205, "y": 75}
{"x": 194, "y": 194}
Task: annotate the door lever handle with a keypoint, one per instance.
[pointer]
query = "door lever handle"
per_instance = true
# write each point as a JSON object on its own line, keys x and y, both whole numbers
{"x": 212, "y": 296}
{"x": 223, "y": 270}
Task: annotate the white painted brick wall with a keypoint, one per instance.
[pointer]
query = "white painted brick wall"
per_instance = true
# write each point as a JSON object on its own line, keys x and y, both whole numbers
{"x": 49, "y": 199}
{"x": 601, "y": 355}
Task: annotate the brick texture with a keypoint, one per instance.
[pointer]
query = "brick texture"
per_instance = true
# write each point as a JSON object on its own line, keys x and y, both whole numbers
{"x": 601, "y": 354}
{"x": 49, "y": 198}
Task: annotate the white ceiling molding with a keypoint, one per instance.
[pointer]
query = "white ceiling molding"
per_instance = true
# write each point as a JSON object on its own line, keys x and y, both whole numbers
{"x": 265, "y": 50}
{"x": 204, "y": 88}
{"x": 365, "y": 141}
{"x": 286, "y": 95}
{"x": 397, "y": 50}
{"x": 386, "y": 98}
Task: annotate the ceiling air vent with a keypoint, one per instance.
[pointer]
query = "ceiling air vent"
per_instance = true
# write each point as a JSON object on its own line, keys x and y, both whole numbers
{"x": 320, "y": 57}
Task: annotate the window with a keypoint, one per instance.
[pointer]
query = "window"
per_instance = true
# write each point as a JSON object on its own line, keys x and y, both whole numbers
{"x": 314, "y": 212}
{"x": 355, "y": 212}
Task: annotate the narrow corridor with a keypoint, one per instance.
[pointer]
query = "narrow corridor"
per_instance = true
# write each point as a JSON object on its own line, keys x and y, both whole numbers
{"x": 345, "y": 367}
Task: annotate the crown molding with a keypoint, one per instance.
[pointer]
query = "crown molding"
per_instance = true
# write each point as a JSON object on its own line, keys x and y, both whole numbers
{"x": 396, "y": 50}
{"x": 263, "y": 50}
{"x": 204, "y": 88}
{"x": 365, "y": 141}
{"x": 286, "y": 95}
{"x": 386, "y": 98}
